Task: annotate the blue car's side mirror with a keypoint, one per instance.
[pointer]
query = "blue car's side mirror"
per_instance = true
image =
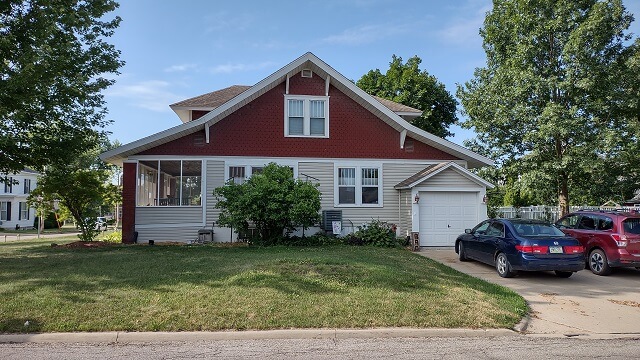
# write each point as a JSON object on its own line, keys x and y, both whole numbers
{"x": 467, "y": 231}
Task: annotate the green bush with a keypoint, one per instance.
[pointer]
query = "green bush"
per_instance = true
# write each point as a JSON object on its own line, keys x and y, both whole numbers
{"x": 375, "y": 233}
{"x": 318, "y": 239}
{"x": 112, "y": 237}
{"x": 273, "y": 202}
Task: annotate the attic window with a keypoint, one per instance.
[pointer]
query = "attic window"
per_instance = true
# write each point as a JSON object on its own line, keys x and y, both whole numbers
{"x": 306, "y": 116}
{"x": 307, "y": 73}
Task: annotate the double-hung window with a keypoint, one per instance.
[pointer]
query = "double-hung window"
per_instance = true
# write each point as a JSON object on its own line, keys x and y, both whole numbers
{"x": 240, "y": 173}
{"x": 8, "y": 185}
{"x": 237, "y": 174}
{"x": 27, "y": 186}
{"x": 358, "y": 186}
{"x": 23, "y": 211}
{"x": 306, "y": 116}
{"x": 5, "y": 210}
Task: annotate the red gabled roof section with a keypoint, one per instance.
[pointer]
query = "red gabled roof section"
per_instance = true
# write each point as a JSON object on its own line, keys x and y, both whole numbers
{"x": 257, "y": 129}
{"x": 209, "y": 101}
{"x": 366, "y": 139}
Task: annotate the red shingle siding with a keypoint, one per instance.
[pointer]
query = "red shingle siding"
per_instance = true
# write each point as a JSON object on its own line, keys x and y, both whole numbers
{"x": 306, "y": 86}
{"x": 257, "y": 129}
{"x": 129, "y": 173}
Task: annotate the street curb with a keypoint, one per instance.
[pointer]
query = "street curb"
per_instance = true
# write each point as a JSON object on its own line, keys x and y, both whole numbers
{"x": 522, "y": 326}
{"x": 133, "y": 337}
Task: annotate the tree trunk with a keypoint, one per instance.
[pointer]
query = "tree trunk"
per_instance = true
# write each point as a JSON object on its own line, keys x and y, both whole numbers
{"x": 563, "y": 194}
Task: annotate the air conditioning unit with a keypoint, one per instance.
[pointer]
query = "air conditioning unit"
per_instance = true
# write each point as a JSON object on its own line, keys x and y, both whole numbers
{"x": 328, "y": 217}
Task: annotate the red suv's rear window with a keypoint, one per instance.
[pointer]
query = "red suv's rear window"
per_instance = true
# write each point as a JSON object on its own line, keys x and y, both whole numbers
{"x": 632, "y": 226}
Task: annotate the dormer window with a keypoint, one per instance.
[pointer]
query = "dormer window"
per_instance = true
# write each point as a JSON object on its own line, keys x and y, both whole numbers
{"x": 306, "y": 116}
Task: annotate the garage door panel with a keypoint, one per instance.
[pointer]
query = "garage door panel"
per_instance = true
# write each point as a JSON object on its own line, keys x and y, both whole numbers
{"x": 445, "y": 215}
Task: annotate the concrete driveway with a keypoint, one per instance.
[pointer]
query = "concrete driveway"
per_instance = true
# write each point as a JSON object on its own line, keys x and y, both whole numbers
{"x": 584, "y": 304}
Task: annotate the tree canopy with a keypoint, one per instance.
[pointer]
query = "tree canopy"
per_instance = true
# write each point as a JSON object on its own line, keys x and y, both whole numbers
{"x": 53, "y": 66}
{"x": 554, "y": 104}
{"x": 81, "y": 185}
{"x": 406, "y": 84}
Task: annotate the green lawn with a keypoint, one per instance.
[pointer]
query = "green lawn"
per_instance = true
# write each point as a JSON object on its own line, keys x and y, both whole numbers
{"x": 181, "y": 288}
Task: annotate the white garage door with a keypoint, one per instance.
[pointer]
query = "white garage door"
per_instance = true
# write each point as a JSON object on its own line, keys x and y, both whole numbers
{"x": 445, "y": 215}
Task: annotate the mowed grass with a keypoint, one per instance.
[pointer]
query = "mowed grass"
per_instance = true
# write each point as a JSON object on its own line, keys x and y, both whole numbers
{"x": 185, "y": 288}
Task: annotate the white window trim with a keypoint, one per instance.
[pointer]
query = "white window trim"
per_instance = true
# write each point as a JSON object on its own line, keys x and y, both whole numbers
{"x": 358, "y": 185}
{"x": 306, "y": 112}
{"x": 248, "y": 164}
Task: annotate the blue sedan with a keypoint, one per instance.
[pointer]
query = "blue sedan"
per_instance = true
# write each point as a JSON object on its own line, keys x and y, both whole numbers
{"x": 513, "y": 245}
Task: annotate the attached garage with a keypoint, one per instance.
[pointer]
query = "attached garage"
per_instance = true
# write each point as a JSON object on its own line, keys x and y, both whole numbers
{"x": 447, "y": 199}
{"x": 444, "y": 215}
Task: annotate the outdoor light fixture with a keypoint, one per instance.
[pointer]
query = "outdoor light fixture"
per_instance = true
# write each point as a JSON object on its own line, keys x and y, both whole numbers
{"x": 485, "y": 199}
{"x": 416, "y": 199}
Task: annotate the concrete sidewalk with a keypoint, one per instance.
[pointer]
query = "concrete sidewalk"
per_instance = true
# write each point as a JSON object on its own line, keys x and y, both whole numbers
{"x": 582, "y": 305}
{"x": 9, "y": 237}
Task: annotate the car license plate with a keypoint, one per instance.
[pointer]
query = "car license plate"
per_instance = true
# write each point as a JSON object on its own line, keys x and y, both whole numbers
{"x": 555, "y": 249}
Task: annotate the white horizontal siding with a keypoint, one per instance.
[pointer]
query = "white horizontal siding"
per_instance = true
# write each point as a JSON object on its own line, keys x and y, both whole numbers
{"x": 215, "y": 178}
{"x": 450, "y": 178}
{"x": 392, "y": 173}
{"x": 157, "y": 215}
{"x": 178, "y": 234}
{"x": 323, "y": 172}
{"x": 405, "y": 213}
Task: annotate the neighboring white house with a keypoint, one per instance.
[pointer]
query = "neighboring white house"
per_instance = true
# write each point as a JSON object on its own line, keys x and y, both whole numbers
{"x": 13, "y": 199}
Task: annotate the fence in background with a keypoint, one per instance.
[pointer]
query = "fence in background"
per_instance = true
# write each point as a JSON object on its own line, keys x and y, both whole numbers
{"x": 550, "y": 213}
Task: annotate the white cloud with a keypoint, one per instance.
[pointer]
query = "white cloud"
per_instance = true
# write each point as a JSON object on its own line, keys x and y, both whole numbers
{"x": 366, "y": 34}
{"x": 152, "y": 95}
{"x": 240, "y": 67}
{"x": 464, "y": 29}
{"x": 224, "y": 21}
{"x": 180, "y": 67}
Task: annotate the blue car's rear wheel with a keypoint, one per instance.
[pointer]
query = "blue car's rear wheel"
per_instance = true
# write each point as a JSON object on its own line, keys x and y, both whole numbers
{"x": 503, "y": 266}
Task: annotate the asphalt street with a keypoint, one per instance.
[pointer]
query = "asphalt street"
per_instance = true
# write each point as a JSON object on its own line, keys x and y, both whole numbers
{"x": 510, "y": 347}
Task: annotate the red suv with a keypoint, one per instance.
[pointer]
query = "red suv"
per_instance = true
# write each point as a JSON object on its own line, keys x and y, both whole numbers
{"x": 611, "y": 238}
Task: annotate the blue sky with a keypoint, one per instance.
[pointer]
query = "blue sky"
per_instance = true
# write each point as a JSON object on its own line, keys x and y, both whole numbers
{"x": 175, "y": 50}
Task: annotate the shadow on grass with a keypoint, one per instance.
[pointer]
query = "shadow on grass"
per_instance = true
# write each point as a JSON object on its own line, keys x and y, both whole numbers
{"x": 84, "y": 275}
{"x": 283, "y": 269}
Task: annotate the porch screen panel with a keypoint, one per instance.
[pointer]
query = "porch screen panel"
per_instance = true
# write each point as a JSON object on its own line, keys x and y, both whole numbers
{"x": 169, "y": 179}
{"x": 191, "y": 183}
{"x": 147, "y": 183}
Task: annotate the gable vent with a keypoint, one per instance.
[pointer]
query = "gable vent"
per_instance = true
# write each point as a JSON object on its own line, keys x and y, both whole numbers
{"x": 307, "y": 73}
{"x": 198, "y": 140}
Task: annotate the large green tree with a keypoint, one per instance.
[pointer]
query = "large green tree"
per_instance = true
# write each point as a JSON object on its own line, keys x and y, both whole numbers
{"x": 553, "y": 104}
{"x": 406, "y": 84}
{"x": 81, "y": 185}
{"x": 53, "y": 62}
